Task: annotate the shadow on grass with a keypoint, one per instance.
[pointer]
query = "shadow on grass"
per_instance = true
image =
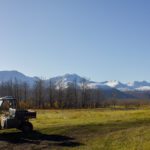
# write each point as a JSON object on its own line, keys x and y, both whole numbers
{"x": 123, "y": 125}
{"x": 37, "y": 137}
{"x": 79, "y": 132}
{"x": 102, "y": 129}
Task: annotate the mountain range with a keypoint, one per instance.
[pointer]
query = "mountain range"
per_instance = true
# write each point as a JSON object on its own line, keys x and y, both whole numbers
{"x": 130, "y": 86}
{"x": 109, "y": 88}
{"x": 67, "y": 79}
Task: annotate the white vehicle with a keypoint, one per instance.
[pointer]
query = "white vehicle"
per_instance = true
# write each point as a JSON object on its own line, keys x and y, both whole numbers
{"x": 12, "y": 117}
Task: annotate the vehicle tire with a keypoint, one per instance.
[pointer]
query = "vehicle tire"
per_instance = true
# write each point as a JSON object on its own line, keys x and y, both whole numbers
{"x": 27, "y": 127}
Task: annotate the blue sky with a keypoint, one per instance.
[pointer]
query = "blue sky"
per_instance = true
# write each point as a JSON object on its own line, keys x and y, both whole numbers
{"x": 98, "y": 39}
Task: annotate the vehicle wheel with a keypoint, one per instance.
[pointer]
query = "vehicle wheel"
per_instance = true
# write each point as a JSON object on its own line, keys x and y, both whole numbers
{"x": 27, "y": 127}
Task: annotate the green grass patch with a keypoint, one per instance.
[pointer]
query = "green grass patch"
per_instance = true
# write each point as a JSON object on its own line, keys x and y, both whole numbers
{"x": 90, "y": 129}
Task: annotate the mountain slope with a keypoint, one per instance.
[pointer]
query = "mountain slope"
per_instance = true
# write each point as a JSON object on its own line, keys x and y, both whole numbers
{"x": 66, "y": 80}
{"x": 15, "y": 75}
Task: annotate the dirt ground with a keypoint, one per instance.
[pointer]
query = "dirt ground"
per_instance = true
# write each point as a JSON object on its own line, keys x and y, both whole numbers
{"x": 35, "y": 141}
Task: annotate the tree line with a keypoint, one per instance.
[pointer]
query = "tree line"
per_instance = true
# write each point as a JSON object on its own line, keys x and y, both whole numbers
{"x": 48, "y": 95}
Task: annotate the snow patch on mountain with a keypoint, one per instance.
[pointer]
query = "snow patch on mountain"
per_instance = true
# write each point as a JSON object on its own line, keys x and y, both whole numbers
{"x": 143, "y": 88}
{"x": 112, "y": 83}
{"x": 97, "y": 85}
{"x": 116, "y": 84}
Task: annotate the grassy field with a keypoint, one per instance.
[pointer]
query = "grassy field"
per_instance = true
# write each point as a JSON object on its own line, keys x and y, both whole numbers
{"x": 91, "y": 129}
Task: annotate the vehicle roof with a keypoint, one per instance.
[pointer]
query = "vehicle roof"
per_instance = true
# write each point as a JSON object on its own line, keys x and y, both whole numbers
{"x": 7, "y": 98}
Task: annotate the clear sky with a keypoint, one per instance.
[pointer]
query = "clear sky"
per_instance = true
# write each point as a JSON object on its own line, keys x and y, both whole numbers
{"x": 98, "y": 39}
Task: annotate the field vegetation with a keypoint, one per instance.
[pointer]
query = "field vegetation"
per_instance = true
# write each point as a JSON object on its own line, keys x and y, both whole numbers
{"x": 84, "y": 129}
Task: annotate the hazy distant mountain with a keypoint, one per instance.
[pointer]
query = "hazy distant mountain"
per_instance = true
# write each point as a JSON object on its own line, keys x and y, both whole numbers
{"x": 139, "y": 85}
{"x": 15, "y": 75}
{"x": 130, "y": 86}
